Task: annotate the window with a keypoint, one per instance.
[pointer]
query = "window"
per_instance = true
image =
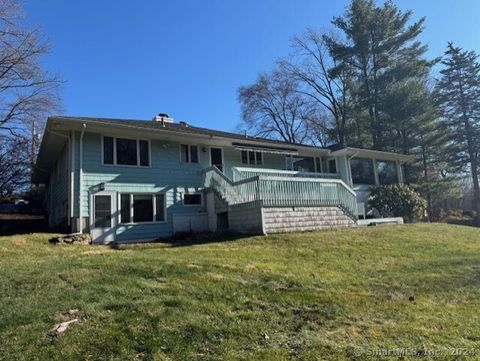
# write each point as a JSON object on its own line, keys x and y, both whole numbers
{"x": 251, "y": 157}
{"x": 188, "y": 153}
{"x": 387, "y": 172}
{"x": 126, "y": 151}
{"x": 123, "y": 151}
{"x": 192, "y": 199}
{"x": 141, "y": 208}
{"x": 362, "y": 171}
{"x": 107, "y": 150}
{"x": 301, "y": 164}
{"x": 332, "y": 166}
{"x": 318, "y": 164}
{"x": 144, "y": 154}
{"x": 160, "y": 207}
{"x": 125, "y": 208}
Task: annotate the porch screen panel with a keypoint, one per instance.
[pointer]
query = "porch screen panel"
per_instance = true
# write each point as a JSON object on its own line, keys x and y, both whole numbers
{"x": 362, "y": 171}
{"x": 387, "y": 172}
{"x": 303, "y": 164}
{"x": 332, "y": 166}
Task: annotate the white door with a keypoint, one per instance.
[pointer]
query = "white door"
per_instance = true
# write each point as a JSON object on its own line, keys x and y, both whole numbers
{"x": 102, "y": 220}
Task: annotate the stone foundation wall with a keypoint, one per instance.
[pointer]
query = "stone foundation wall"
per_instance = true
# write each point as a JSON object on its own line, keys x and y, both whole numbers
{"x": 245, "y": 218}
{"x": 298, "y": 219}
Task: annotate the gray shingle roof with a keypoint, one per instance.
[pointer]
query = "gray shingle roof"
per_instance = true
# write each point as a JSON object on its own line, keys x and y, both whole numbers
{"x": 178, "y": 127}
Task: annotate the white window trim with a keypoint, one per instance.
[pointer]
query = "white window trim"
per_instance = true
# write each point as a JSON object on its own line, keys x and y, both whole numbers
{"x": 192, "y": 205}
{"x": 189, "y": 146}
{"x": 114, "y": 137}
{"x": 154, "y": 216}
{"x": 248, "y": 158}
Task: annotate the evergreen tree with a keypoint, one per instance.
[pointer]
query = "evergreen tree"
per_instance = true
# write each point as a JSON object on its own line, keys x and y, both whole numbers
{"x": 458, "y": 94}
{"x": 382, "y": 50}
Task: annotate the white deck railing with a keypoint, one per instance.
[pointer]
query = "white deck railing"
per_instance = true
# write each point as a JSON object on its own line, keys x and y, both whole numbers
{"x": 281, "y": 191}
{"x": 245, "y": 172}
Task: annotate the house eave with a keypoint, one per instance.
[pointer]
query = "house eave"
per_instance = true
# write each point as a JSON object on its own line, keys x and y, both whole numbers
{"x": 370, "y": 153}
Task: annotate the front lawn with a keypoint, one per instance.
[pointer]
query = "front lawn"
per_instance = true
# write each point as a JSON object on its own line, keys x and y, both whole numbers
{"x": 329, "y": 295}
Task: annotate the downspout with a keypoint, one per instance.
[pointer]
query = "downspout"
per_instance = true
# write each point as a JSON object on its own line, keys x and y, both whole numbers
{"x": 80, "y": 182}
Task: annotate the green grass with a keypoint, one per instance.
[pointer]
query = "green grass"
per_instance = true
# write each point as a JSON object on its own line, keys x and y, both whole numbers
{"x": 332, "y": 295}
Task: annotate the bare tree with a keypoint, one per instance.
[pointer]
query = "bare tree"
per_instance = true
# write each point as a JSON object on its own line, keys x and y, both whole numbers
{"x": 273, "y": 107}
{"x": 27, "y": 91}
{"x": 14, "y": 165}
{"x": 310, "y": 64}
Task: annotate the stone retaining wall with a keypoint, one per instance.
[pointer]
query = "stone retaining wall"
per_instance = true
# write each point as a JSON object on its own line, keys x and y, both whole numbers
{"x": 298, "y": 219}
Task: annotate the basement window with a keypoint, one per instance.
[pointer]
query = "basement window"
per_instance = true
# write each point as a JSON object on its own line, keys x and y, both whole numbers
{"x": 142, "y": 208}
{"x": 192, "y": 199}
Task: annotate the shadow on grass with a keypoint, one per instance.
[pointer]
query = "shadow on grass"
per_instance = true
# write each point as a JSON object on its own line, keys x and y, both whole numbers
{"x": 186, "y": 240}
{"x": 464, "y": 222}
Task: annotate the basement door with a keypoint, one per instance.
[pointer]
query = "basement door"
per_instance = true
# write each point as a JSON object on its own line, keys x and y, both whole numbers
{"x": 102, "y": 220}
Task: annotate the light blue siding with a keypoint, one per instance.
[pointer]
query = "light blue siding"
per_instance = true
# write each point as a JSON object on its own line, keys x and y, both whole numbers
{"x": 166, "y": 174}
{"x": 57, "y": 191}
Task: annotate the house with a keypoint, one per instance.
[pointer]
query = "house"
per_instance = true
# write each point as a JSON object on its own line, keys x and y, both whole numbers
{"x": 130, "y": 180}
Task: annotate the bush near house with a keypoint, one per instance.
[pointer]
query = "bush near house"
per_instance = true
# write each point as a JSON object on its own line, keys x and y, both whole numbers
{"x": 398, "y": 200}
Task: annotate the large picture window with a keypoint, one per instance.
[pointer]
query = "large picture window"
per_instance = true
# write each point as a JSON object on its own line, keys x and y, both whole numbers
{"x": 124, "y": 151}
{"x": 362, "y": 171}
{"x": 301, "y": 164}
{"x": 387, "y": 172}
{"x": 142, "y": 208}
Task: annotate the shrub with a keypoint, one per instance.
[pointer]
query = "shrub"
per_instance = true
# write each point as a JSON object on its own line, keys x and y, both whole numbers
{"x": 398, "y": 200}
{"x": 454, "y": 213}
